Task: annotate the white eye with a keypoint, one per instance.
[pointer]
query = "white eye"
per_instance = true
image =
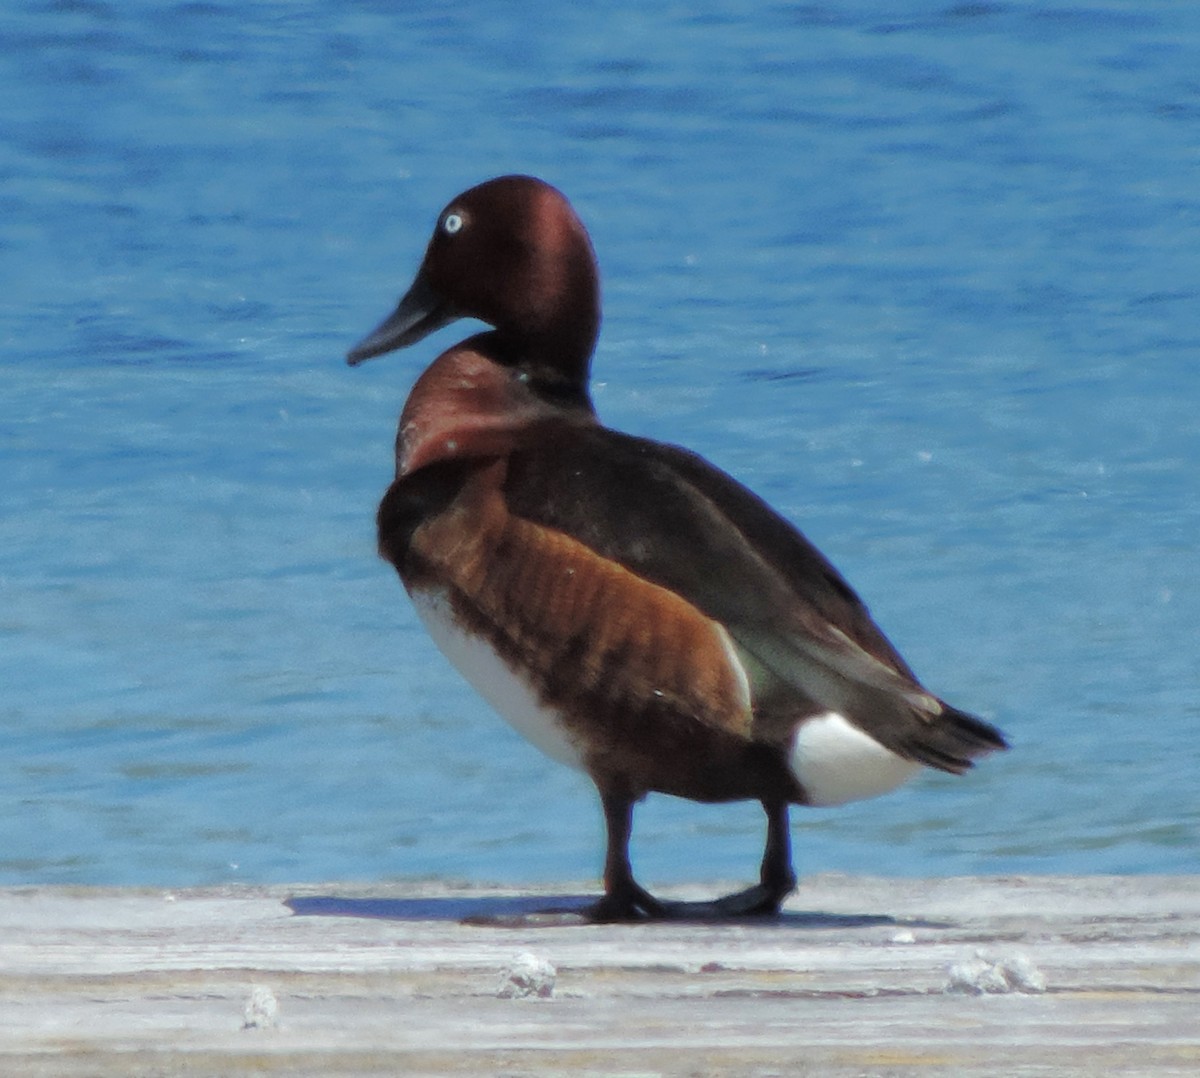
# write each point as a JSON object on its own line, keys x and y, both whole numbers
{"x": 452, "y": 223}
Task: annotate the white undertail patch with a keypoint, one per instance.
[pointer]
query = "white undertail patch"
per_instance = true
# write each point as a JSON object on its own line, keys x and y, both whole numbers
{"x": 511, "y": 695}
{"x": 836, "y": 762}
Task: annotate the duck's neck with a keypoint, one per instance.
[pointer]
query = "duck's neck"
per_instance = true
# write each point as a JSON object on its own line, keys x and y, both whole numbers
{"x": 550, "y": 369}
{"x": 554, "y": 357}
{"x": 552, "y": 340}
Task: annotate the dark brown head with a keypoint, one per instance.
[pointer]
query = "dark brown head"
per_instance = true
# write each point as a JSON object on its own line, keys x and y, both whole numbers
{"x": 510, "y": 252}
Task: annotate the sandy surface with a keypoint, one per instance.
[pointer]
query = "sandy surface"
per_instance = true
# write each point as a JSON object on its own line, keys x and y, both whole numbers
{"x": 1030, "y": 975}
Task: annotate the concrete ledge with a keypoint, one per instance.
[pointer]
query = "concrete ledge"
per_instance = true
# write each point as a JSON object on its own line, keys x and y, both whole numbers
{"x": 859, "y": 976}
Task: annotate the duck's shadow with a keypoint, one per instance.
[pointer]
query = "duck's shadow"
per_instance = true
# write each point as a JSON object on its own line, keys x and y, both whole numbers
{"x": 530, "y": 911}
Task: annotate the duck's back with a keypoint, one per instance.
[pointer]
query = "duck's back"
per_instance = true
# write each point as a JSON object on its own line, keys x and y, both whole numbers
{"x": 669, "y": 515}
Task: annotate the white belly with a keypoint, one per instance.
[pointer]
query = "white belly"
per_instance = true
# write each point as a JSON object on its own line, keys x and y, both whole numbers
{"x": 510, "y": 694}
{"x": 836, "y": 762}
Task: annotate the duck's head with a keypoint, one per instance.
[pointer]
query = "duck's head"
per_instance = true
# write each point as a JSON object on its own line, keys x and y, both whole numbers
{"x": 512, "y": 253}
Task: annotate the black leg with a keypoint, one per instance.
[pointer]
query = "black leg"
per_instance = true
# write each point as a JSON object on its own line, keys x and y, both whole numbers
{"x": 777, "y": 873}
{"x": 777, "y": 878}
{"x": 624, "y": 899}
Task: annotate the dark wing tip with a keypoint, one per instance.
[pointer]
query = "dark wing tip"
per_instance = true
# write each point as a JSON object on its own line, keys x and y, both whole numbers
{"x": 954, "y": 740}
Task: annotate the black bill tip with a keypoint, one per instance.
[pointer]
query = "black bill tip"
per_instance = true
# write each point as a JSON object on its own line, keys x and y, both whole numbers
{"x": 419, "y": 313}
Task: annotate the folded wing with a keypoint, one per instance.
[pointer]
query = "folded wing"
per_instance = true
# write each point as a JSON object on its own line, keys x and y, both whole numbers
{"x": 805, "y": 640}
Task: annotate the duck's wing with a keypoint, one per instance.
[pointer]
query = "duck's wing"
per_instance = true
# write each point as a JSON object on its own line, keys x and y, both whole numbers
{"x": 672, "y": 519}
{"x": 591, "y": 636}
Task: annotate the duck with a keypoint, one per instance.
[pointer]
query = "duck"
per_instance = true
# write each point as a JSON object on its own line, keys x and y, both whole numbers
{"x": 632, "y": 610}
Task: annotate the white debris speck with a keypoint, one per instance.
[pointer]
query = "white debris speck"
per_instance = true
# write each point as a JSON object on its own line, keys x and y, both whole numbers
{"x": 261, "y": 1009}
{"x": 987, "y": 975}
{"x": 527, "y": 976}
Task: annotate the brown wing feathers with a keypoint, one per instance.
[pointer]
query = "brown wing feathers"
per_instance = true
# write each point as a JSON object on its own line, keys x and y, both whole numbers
{"x": 582, "y": 625}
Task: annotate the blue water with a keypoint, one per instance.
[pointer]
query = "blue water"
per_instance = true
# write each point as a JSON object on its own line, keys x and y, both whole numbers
{"x": 925, "y": 275}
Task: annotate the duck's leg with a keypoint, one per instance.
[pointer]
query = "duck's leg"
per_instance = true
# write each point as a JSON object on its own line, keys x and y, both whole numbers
{"x": 777, "y": 878}
{"x": 624, "y": 898}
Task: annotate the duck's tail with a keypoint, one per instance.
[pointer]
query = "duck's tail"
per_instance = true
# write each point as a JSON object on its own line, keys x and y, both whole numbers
{"x": 953, "y": 740}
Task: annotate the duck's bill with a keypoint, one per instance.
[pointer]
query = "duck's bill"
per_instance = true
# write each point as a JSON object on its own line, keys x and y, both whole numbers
{"x": 418, "y": 314}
